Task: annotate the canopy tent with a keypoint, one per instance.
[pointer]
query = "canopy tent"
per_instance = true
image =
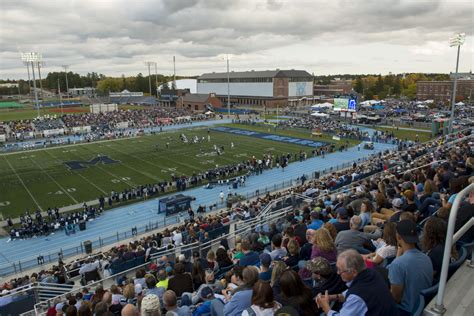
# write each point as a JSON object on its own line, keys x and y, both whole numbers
{"x": 369, "y": 103}
{"x": 209, "y": 113}
{"x": 322, "y": 105}
{"x": 319, "y": 114}
{"x": 460, "y": 103}
{"x": 421, "y": 106}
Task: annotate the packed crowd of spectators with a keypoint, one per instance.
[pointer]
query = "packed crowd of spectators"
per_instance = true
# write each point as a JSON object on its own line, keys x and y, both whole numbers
{"x": 356, "y": 248}
{"x": 34, "y": 225}
{"x": 325, "y": 125}
{"x": 410, "y": 112}
{"x": 47, "y": 123}
{"x": 100, "y": 122}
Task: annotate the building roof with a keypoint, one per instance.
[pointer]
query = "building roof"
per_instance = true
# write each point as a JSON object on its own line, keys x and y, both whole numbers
{"x": 196, "y": 97}
{"x": 258, "y": 74}
{"x": 190, "y": 84}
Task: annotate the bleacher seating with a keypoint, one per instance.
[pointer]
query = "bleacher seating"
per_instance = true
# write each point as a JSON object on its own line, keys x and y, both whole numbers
{"x": 324, "y": 205}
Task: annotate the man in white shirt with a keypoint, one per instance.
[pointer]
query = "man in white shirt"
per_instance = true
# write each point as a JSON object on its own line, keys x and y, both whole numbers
{"x": 177, "y": 238}
{"x": 89, "y": 266}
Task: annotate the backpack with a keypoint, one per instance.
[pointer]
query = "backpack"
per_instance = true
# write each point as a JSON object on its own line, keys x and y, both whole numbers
{"x": 251, "y": 311}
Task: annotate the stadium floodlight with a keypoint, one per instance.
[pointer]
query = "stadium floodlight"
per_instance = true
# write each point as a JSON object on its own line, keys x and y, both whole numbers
{"x": 456, "y": 40}
{"x": 228, "y": 86}
{"x": 66, "y": 67}
{"x": 33, "y": 58}
{"x": 149, "y": 64}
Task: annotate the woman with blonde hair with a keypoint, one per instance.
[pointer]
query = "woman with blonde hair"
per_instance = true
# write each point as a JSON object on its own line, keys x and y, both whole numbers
{"x": 428, "y": 189}
{"x": 278, "y": 267}
{"x": 129, "y": 294}
{"x": 237, "y": 253}
{"x": 323, "y": 245}
{"x": 293, "y": 256}
{"x": 211, "y": 260}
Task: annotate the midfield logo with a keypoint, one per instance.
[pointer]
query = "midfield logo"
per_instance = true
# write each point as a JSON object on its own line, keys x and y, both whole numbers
{"x": 80, "y": 164}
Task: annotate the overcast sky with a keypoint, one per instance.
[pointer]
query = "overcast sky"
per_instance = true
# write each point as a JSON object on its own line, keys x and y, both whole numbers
{"x": 116, "y": 37}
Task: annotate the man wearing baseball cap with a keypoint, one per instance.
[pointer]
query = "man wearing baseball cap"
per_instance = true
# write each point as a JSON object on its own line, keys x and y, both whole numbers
{"x": 207, "y": 295}
{"x": 324, "y": 277}
{"x": 411, "y": 271}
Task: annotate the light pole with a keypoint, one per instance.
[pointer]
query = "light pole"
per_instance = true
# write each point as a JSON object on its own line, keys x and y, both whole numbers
{"x": 456, "y": 40}
{"x": 149, "y": 64}
{"x": 66, "y": 67}
{"x": 228, "y": 87}
{"x": 60, "y": 98}
{"x": 33, "y": 58}
{"x": 41, "y": 64}
{"x": 156, "y": 79}
{"x": 19, "y": 93}
{"x": 28, "y": 71}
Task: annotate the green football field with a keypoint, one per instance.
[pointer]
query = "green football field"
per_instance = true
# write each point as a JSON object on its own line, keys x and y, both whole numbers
{"x": 41, "y": 178}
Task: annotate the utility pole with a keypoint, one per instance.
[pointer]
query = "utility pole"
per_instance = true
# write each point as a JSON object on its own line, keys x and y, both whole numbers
{"x": 156, "y": 78}
{"x": 149, "y": 64}
{"x": 60, "y": 98}
{"x": 66, "y": 67}
{"x": 174, "y": 73}
{"x": 40, "y": 64}
{"x": 228, "y": 88}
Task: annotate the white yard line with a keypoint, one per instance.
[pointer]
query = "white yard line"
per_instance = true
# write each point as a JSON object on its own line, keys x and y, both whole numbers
{"x": 23, "y": 183}
{"x": 130, "y": 183}
{"x": 78, "y": 174}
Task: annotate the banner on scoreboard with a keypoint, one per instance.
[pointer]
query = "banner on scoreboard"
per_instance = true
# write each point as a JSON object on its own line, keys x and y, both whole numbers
{"x": 345, "y": 104}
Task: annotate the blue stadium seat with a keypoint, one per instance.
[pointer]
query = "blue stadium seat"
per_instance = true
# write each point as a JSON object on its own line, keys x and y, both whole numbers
{"x": 455, "y": 265}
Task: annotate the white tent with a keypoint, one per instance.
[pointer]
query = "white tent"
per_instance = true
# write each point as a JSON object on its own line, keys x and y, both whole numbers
{"x": 460, "y": 103}
{"x": 209, "y": 113}
{"x": 319, "y": 114}
{"x": 322, "y": 105}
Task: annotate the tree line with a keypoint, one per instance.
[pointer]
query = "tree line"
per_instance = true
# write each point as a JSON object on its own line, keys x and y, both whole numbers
{"x": 369, "y": 86}
{"x": 381, "y": 87}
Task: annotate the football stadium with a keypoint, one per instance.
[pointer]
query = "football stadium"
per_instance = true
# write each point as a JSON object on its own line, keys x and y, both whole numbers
{"x": 256, "y": 192}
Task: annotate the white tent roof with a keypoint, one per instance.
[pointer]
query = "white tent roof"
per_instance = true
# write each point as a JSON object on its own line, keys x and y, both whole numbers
{"x": 460, "y": 103}
{"x": 323, "y": 105}
{"x": 370, "y": 102}
{"x": 319, "y": 114}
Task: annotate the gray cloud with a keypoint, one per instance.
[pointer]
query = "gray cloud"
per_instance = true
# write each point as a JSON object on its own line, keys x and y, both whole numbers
{"x": 339, "y": 36}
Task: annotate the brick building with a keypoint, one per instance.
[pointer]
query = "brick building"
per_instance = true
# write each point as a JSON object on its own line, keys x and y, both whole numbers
{"x": 440, "y": 91}
{"x": 269, "y": 88}
{"x": 198, "y": 102}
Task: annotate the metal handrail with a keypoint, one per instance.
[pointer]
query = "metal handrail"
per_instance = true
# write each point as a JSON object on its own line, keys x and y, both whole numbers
{"x": 439, "y": 308}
